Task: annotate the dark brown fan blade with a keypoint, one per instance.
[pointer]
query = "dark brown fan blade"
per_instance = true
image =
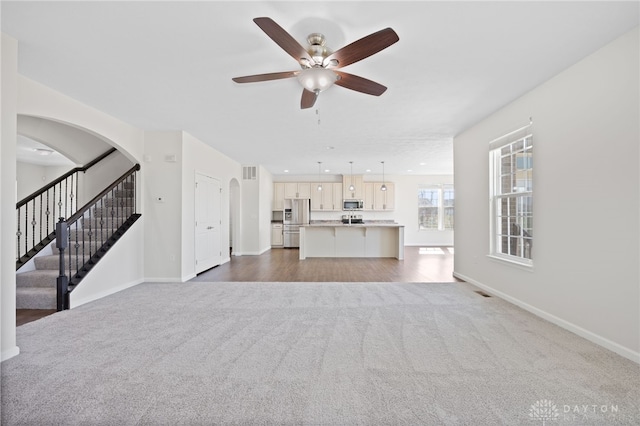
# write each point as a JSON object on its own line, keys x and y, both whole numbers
{"x": 308, "y": 99}
{"x": 283, "y": 39}
{"x": 265, "y": 77}
{"x": 359, "y": 84}
{"x": 363, "y": 48}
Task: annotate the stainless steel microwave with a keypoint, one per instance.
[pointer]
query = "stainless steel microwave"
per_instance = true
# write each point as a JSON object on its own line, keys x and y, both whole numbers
{"x": 352, "y": 204}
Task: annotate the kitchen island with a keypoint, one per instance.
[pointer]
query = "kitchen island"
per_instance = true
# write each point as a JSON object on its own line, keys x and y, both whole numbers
{"x": 333, "y": 239}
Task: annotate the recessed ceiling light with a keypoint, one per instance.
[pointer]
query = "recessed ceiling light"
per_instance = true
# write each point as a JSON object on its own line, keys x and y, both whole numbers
{"x": 368, "y": 170}
{"x": 327, "y": 170}
{"x": 42, "y": 151}
{"x": 409, "y": 170}
{"x": 330, "y": 147}
{"x": 422, "y": 164}
{"x": 286, "y": 171}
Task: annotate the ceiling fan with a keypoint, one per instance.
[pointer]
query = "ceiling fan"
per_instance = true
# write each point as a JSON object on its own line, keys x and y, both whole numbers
{"x": 319, "y": 64}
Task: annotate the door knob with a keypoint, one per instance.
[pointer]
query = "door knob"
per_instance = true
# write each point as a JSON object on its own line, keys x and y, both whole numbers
{"x": 209, "y": 227}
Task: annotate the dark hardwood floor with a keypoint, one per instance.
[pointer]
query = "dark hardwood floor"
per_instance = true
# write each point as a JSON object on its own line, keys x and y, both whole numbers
{"x": 421, "y": 264}
{"x": 426, "y": 264}
{"x": 24, "y": 316}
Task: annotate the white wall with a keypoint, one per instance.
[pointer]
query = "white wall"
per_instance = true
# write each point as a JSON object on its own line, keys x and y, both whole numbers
{"x": 199, "y": 157}
{"x": 35, "y": 99}
{"x": 94, "y": 180}
{"x": 8, "y": 86}
{"x": 31, "y": 177}
{"x": 265, "y": 204}
{"x": 74, "y": 143}
{"x": 406, "y": 205}
{"x": 121, "y": 268}
{"x": 586, "y": 201}
{"x": 162, "y": 219}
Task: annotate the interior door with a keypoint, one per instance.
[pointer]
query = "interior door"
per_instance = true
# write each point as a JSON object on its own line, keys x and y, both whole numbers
{"x": 207, "y": 217}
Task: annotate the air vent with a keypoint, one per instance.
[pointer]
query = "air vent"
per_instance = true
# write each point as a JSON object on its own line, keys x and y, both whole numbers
{"x": 249, "y": 173}
{"x": 482, "y": 293}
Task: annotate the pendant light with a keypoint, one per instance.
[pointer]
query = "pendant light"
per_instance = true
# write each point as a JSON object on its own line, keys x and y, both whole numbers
{"x": 383, "y": 187}
{"x": 351, "y": 187}
{"x": 319, "y": 183}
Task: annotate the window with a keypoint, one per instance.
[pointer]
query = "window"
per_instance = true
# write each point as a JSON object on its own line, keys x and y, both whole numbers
{"x": 512, "y": 199}
{"x": 435, "y": 207}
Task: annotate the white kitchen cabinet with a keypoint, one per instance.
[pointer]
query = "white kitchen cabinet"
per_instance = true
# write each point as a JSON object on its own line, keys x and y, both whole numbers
{"x": 358, "y": 192}
{"x": 369, "y": 196}
{"x": 377, "y": 200}
{"x": 278, "y": 196}
{"x": 329, "y": 199}
{"x": 318, "y": 197}
{"x": 337, "y": 196}
{"x": 384, "y": 200}
{"x": 297, "y": 190}
{"x": 277, "y": 237}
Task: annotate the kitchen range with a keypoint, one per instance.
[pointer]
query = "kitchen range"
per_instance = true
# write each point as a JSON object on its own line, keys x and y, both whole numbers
{"x": 296, "y": 213}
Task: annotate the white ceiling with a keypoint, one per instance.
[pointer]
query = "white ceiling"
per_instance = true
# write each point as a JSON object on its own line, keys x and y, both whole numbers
{"x": 168, "y": 65}
{"x": 33, "y": 152}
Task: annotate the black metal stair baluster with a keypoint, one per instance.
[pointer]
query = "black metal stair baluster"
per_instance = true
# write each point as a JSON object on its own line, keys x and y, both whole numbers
{"x": 101, "y": 221}
{"x": 71, "y": 196}
{"x": 83, "y": 245}
{"x": 18, "y": 235}
{"x": 26, "y": 228}
{"x": 121, "y": 204}
{"x": 53, "y": 202}
{"x": 47, "y": 212}
{"x": 89, "y": 233}
{"x": 66, "y": 197}
{"x": 40, "y": 205}
{"x": 79, "y": 260}
{"x": 135, "y": 192}
{"x": 76, "y": 198}
{"x": 113, "y": 201}
{"x": 33, "y": 223}
{"x": 60, "y": 200}
{"x": 70, "y": 252}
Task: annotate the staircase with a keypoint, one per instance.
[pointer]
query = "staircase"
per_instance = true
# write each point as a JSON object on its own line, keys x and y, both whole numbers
{"x": 92, "y": 232}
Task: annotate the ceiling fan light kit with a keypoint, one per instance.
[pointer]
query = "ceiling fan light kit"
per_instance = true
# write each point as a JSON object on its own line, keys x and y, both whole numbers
{"x": 317, "y": 79}
{"x": 319, "y": 63}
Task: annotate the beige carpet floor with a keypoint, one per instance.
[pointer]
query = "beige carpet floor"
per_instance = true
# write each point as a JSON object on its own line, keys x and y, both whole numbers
{"x": 311, "y": 353}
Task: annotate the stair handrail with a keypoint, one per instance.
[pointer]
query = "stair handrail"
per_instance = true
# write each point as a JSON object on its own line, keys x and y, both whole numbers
{"x": 98, "y": 243}
{"x": 65, "y": 176}
{"x": 35, "y": 227}
{"x": 77, "y": 215}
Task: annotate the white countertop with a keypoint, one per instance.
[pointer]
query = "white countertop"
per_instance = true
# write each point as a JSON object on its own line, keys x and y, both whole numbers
{"x": 353, "y": 225}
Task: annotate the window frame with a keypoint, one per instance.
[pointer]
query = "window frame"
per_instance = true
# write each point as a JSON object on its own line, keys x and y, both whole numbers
{"x": 441, "y": 188}
{"x": 520, "y": 218}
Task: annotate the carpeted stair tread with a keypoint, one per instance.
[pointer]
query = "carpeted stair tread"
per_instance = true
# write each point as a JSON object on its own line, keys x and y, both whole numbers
{"x": 53, "y": 261}
{"x": 36, "y": 297}
{"x": 43, "y": 278}
{"x": 116, "y": 210}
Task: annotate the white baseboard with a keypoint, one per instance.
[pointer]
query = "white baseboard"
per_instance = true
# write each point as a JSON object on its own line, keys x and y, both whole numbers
{"x": 188, "y": 277}
{"x": 9, "y": 353}
{"x": 595, "y": 338}
{"x": 254, "y": 253}
{"x": 78, "y": 302}
{"x": 162, "y": 280}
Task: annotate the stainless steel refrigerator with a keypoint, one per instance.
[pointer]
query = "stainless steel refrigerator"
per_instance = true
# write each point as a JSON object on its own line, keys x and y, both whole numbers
{"x": 296, "y": 213}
